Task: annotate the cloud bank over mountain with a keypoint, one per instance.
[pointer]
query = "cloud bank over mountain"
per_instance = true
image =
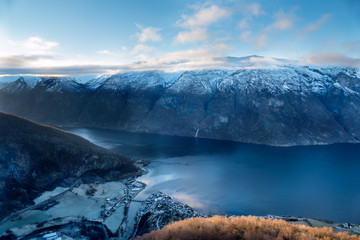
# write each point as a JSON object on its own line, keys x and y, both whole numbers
{"x": 175, "y": 36}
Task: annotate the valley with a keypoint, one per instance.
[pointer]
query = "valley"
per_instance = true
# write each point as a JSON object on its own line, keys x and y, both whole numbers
{"x": 128, "y": 207}
{"x": 180, "y": 119}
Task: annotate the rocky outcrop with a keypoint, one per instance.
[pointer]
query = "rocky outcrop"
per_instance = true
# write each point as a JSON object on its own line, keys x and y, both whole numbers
{"x": 286, "y": 105}
{"x": 35, "y": 158}
{"x": 158, "y": 210}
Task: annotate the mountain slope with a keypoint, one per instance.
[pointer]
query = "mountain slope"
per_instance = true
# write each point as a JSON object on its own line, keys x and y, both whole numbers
{"x": 51, "y": 99}
{"x": 243, "y": 228}
{"x": 283, "y": 105}
{"x": 35, "y": 158}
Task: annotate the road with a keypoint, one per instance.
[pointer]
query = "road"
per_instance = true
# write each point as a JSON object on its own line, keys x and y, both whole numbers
{"x": 32, "y": 207}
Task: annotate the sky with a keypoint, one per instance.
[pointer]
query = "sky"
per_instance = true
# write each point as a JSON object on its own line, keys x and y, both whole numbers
{"x": 98, "y": 36}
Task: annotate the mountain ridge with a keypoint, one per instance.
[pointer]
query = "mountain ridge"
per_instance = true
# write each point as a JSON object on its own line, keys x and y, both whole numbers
{"x": 288, "y": 105}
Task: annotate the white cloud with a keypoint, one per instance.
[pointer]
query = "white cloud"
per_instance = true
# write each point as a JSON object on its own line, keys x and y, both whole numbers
{"x": 148, "y": 34}
{"x": 213, "y": 51}
{"x": 12, "y": 43}
{"x": 105, "y": 52}
{"x": 263, "y": 60}
{"x": 245, "y": 36}
{"x": 352, "y": 47}
{"x": 221, "y": 48}
{"x": 15, "y": 61}
{"x": 314, "y": 26}
{"x": 191, "y": 36}
{"x": 283, "y": 21}
{"x": 34, "y": 44}
{"x": 282, "y": 24}
{"x": 254, "y": 9}
{"x": 331, "y": 58}
{"x": 261, "y": 40}
{"x": 141, "y": 57}
{"x": 243, "y": 24}
{"x": 249, "y": 12}
{"x": 141, "y": 48}
{"x": 204, "y": 17}
{"x": 198, "y": 23}
{"x": 186, "y": 55}
{"x": 190, "y": 59}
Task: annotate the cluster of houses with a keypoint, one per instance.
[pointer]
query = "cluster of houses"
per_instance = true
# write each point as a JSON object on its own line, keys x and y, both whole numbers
{"x": 132, "y": 188}
{"x": 163, "y": 209}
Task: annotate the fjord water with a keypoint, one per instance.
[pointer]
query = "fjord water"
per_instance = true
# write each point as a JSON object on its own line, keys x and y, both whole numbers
{"x": 223, "y": 177}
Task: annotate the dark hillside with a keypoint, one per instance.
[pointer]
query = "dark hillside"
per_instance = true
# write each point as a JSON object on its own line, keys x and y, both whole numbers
{"x": 35, "y": 158}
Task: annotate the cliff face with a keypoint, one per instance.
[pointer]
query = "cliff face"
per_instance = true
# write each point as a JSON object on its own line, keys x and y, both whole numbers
{"x": 289, "y": 105}
{"x": 35, "y": 158}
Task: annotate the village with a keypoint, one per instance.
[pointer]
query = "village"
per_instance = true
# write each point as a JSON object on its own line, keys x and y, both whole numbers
{"x": 160, "y": 209}
{"x": 131, "y": 189}
{"x": 157, "y": 210}
{"x": 116, "y": 213}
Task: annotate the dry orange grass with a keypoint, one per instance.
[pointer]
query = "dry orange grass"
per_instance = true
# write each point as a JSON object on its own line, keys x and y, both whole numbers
{"x": 242, "y": 228}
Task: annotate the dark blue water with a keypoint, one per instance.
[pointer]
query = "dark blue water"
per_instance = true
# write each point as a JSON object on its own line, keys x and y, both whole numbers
{"x": 227, "y": 177}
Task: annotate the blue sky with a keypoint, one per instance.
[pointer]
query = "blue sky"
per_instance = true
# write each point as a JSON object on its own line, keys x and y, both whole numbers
{"x": 92, "y": 36}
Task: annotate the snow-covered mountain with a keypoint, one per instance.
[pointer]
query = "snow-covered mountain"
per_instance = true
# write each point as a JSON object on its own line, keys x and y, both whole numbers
{"x": 139, "y": 80}
{"x": 29, "y": 81}
{"x": 60, "y": 85}
{"x": 32, "y": 81}
{"x": 284, "y": 104}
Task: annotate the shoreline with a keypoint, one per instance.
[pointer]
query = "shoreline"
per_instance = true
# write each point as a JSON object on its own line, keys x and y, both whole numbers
{"x": 152, "y": 213}
{"x": 68, "y": 128}
{"x": 23, "y": 222}
{"x": 306, "y": 221}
